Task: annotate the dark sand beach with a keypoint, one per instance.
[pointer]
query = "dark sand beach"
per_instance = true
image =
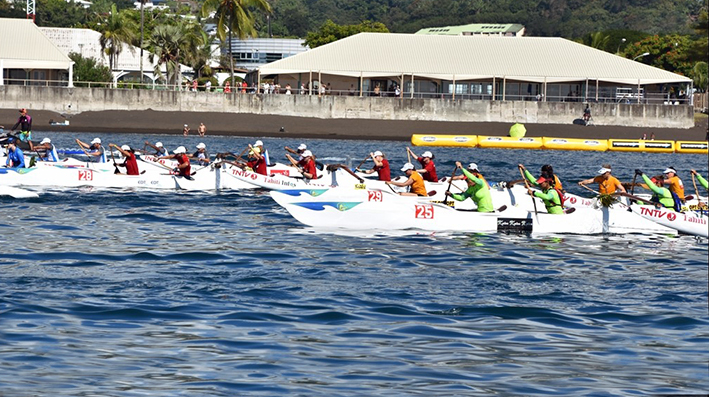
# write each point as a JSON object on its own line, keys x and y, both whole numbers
{"x": 153, "y": 122}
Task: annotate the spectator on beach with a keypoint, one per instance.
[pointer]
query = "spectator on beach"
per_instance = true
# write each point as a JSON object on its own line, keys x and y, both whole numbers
{"x": 352, "y": 90}
{"x": 288, "y": 89}
{"x": 201, "y": 129}
{"x": 185, "y": 130}
{"x": 587, "y": 114}
{"x": 96, "y": 152}
{"x": 377, "y": 90}
{"x": 208, "y": 86}
{"x": 227, "y": 87}
{"x": 194, "y": 85}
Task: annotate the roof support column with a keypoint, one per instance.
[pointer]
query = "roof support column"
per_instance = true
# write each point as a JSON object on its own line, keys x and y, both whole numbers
{"x": 71, "y": 75}
{"x": 493, "y": 88}
{"x": 412, "y": 86}
{"x": 638, "y": 90}
{"x": 319, "y": 83}
{"x": 504, "y": 87}
{"x": 585, "y": 96}
{"x": 310, "y": 82}
{"x": 596, "y": 89}
{"x": 361, "y": 83}
{"x": 453, "y": 86}
{"x": 544, "y": 95}
{"x": 2, "y": 72}
{"x": 401, "y": 84}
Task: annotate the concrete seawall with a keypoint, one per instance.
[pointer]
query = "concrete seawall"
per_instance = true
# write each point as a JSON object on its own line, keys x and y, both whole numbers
{"x": 77, "y": 100}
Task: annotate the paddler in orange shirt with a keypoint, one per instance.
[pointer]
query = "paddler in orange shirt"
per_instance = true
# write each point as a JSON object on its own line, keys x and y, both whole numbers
{"x": 673, "y": 182}
{"x": 607, "y": 183}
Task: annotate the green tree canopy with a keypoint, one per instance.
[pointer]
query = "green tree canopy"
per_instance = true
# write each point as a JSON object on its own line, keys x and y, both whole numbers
{"x": 331, "y": 31}
{"x": 89, "y": 69}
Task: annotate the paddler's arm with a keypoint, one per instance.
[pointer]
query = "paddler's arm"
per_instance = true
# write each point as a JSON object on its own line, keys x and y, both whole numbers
{"x": 650, "y": 185}
{"x": 532, "y": 180}
{"x": 472, "y": 177}
{"x": 701, "y": 179}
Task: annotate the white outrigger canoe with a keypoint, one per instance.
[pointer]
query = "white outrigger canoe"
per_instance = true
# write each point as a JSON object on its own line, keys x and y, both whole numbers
{"x": 365, "y": 209}
{"x": 683, "y": 222}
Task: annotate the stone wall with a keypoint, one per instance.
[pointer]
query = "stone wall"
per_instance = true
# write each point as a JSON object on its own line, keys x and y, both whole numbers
{"x": 76, "y": 100}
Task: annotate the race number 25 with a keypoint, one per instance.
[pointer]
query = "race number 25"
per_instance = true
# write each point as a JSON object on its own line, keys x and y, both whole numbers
{"x": 424, "y": 211}
{"x": 374, "y": 196}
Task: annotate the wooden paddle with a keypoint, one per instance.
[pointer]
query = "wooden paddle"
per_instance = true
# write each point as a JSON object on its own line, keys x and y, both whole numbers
{"x": 450, "y": 182}
{"x": 588, "y": 188}
{"x": 632, "y": 184}
{"x": 349, "y": 171}
{"x": 117, "y": 171}
{"x": 526, "y": 183}
{"x": 362, "y": 162}
{"x": 694, "y": 182}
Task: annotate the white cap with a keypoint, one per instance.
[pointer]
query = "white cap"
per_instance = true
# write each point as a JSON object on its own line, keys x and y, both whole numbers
{"x": 180, "y": 149}
{"x": 407, "y": 166}
{"x": 378, "y": 153}
{"x": 307, "y": 154}
{"x": 125, "y": 147}
{"x": 201, "y": 145}
{"x": 96, "y": 140}
{"x": 185, "y": 125}
{"x": 473, "y": 166}
{"x": 46, "y": 140}
{"x": 427, "y": 154}
{"x": 158, "y": 144}
{"x": 669, "y": 169}
{"x": 258, "y": 143}
{"x": 302, "y": 146}
{"x": 603, "y": 170}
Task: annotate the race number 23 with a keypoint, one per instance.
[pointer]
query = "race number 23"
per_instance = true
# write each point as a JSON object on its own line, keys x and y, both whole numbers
{"x": 86, "y": 175}
{"x": 374, "y": 196}
{"x": 424, "y": 211}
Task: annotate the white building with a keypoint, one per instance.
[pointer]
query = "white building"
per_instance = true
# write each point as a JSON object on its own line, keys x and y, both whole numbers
{"x": 127, "y": 64}
{"x": 251, "y": 54}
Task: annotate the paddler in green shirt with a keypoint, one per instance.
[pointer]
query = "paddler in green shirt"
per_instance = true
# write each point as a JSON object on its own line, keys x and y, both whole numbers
{"x": 701, "y": 179}
{"x": 661, "y": 194}
{"x": 478, "y": 191}
{"x": 550, "y": 196}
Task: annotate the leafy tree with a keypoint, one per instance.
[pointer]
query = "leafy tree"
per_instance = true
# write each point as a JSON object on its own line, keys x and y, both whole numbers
{"x": 330, "y": 31}
{"x": 234, "y": 16}
{"x": 12, "y": 9}
{"x": 117, "y": 31}
{"x": 668, "y": 52}
{"x": 60, "y": 14}
{"x": 699, "y": 76}
{"x": 166, "y": 44}
{"x": 89, "y": 69}
{"x": 597, "y": 40}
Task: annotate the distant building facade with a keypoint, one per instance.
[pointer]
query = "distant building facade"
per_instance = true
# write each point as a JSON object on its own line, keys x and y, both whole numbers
{"x": 251, "y": 54}
{"x": 485, "y": 29}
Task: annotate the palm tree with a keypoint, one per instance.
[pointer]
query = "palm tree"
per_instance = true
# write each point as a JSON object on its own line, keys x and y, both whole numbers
{"x": 236, "y": 17}
{"x": 117, "y": 30}
{"x": 166, "y": 43}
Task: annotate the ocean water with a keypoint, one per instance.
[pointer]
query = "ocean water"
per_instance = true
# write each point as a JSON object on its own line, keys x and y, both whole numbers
{"x": 143, "y": 293}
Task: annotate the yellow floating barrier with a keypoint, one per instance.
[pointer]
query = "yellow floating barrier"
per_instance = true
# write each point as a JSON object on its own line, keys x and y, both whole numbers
{"x": 506, "y": 142}
{"x": 445, "y": 140}
{"x": 632, "y": 145}
{"x": 697, "y": 147}
{"x": 600, "y": 145}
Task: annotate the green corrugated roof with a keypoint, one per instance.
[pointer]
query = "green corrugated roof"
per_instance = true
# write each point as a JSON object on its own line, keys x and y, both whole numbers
{"x": 473, "y": 28}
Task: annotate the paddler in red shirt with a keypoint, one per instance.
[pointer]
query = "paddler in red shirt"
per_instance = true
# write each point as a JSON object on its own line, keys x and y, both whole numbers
{"x": 183, "y": 168}
{"x": 381, "y": 166}
{"x": 258, "y": 162}
{"x": 306, "y": 165}
{"x": 428, "y": 172}
{"x": 131, "y": 162}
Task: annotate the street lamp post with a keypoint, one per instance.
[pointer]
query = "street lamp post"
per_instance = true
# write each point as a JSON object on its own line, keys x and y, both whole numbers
{"x": 644, "y": 54}
{"x": 620, "y": 44}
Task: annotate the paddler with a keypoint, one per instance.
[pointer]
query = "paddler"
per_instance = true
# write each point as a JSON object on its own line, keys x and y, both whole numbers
{"x": 381, "y": 166}
{"x": 131, "y": 163}
{"x": 478, "y": 190}
{"x": 201, "y": 155}
{"x": 701, "y": 179}
{"x": 607, "y": 183}
{"x": 158, "y": 147}
{"x": 306, "y": 166}
{"x": 50, "y": 152}
{"x": 415, "y": 182}
{"x": 547, "y": 172}
{"x": 15, "y": 157}
{"x": 258, "y": 161}
{"x": 661, "y": 195}
{"x": 548, "y": 194}
{"x": 428, "y": 172}
{"x": 183, "y": 162}
{"x": 675, "y": 184}
{"x": 96, "y": 152}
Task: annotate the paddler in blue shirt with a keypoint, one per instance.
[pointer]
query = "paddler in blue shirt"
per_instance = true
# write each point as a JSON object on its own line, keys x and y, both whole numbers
{"x": 15, "y": 157}
{"x": 478, "y": 190}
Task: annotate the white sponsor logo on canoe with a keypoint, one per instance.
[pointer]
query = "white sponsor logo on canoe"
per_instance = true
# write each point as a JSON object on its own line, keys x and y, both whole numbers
{"x": 657, "y": 213}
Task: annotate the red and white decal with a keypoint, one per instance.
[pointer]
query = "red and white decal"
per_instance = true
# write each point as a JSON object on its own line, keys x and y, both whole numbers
{"x": 424, "y": 211}
{"x": 572, "y": 200}
{"x": 374, "y": 196}
{"x": 282, "y": 172}
{"x": 86, "y": 175}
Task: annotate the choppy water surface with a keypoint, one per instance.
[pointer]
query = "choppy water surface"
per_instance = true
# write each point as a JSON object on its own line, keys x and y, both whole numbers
{"x": 121, "y": 293}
